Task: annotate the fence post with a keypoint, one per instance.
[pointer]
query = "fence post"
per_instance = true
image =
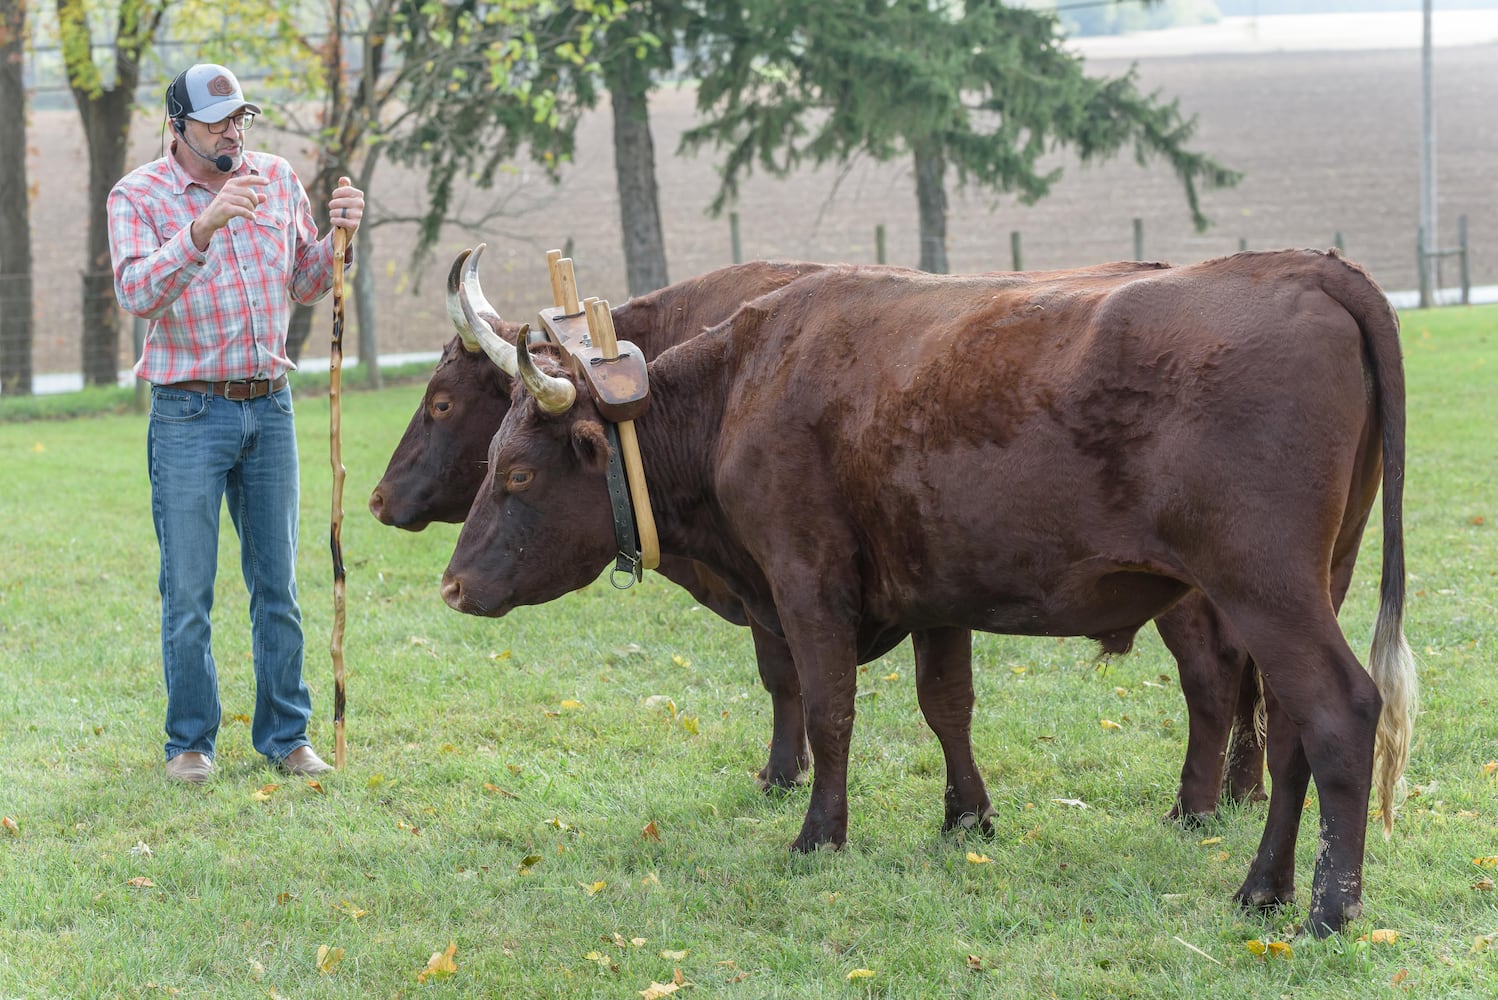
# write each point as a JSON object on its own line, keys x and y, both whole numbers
{"x": 1139, "y": 239}
{"x": 733, "y": 237}
{"x": 1337, "y": 242}
{"x": 1461, "y": 228}
{"x": 1019, "y": 264}
{"x": 1421, "y": 268}
{"x": 879, "y": 247}
{"x": 1242, "y": 243}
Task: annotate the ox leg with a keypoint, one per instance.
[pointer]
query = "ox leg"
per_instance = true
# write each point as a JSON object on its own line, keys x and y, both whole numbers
{"x": 1328, "y": 697}
{"x": 1271, "y": 876}
{"x": 790, "y": 755}
{"x": 944, "y": 687}
{"x": 1221, "y": 698}
{"x": 827, "y": 666}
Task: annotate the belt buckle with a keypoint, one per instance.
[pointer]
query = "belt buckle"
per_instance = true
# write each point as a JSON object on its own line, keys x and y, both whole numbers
{"x": 239, "y": 390}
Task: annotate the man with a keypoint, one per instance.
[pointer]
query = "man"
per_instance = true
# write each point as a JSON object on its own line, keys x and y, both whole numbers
{"x": 210, "y": 243}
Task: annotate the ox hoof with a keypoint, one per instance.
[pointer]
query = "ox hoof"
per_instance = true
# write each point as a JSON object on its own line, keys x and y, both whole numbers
{"x": 1264, "y": 899}
{"x": 982, "y": 823}
{"x": 1324, "y": 921}
{"x": 772, "y": 781}
{"x": 1253, "y": 794}
{"x": 807, "y": 845}
{"x": 1188, "y": 820}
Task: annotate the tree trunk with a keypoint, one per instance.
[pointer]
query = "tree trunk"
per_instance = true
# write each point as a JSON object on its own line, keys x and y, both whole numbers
{"x": 634, "y": 172}
{"x": 364, "y": 309}
{"x": 106, "y": 129}
{"x": 105, "y": 113}
{"x": 318, "y": 192}
{"x": 17, "y": 307}
{"x": 931, "y": 196}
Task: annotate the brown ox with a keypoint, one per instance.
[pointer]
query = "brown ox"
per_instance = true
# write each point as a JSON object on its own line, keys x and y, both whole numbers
{"x": 866, "y": 454}
{"x": 437, "y": 467}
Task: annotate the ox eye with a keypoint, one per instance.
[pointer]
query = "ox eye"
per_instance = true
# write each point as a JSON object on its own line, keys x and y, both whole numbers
{"x": 441, "y": 406}
{"x": 518, "y": 479}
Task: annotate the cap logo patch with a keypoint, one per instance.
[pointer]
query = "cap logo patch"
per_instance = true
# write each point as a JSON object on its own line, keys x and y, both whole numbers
{"x": 220, "y": 86}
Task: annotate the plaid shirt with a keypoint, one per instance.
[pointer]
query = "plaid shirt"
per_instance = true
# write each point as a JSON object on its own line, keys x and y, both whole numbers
{"x": 221, "y": 314}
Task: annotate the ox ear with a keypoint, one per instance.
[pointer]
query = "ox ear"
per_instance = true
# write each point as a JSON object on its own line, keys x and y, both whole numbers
{"x": 591, "y": 445}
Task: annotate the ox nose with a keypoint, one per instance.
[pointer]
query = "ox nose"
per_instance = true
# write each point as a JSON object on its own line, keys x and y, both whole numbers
{"x": 452, "y": 591}
{"x": 377, "y": 506}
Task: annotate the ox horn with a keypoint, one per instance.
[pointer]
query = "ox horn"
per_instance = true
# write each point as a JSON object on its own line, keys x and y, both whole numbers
{"x": 554, "y": 395}
{"x": 455, "y": 302}
{"x": 481, "y": 317}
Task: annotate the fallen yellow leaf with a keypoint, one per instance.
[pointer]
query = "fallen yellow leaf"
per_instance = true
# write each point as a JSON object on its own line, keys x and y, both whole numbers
{"x": 1211, "y": 840}
{"x": 1383, "y": 936}
{"x": 657, "y": 990}
{"x": 317, "y": 787}
{"x": 328, "y": 959}
{"x": 978, "y": 859}
{"x": 1255, "y": 945}
{"x": 861, "y": 974}
{"x": 1489, "y": 862}
{"x": 570, "y": 704}
{"x": 141, "y": 882}
{"x": 440, "y": 965}
{"x": 528, "y": 862}
{"x": 1491, "y": 767}
{"x": 1110, "y": 724}
{"x": 1122, "y": 692}
{"x": 351, "y": 910}
{"x": 893, "y": 675}
{"x": 1018, "y": 670}
{"x": 265, "y": 791}
{"x": 593, "y": 889}
{"x": 1280, "y": 949}
{"x": 9, "y": 824}
{"x": 681, "y": 661}
{"x": 673, "y": 956}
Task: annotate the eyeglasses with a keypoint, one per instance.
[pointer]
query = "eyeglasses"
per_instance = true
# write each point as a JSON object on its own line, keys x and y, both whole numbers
{"x": 243, "y": 121}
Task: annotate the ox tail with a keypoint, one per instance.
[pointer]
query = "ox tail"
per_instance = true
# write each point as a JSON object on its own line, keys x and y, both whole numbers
{"x": 1391, "y": 664}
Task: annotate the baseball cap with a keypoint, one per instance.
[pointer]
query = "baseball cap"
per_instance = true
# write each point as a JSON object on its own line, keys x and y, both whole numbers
{"x": 206, "y": 92}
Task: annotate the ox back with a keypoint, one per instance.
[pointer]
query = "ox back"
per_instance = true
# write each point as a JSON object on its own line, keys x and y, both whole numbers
{"x": 864, "y": 454}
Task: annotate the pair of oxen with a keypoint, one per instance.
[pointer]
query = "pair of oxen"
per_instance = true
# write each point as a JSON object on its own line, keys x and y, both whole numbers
{"x": 841, "y": 456}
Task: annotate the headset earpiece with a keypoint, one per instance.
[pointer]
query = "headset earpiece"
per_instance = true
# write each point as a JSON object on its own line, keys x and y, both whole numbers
{"x": 176, "y": 110}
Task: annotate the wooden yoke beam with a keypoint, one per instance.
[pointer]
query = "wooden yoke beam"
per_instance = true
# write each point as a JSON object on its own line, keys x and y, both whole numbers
{"x": 601, "y": 326}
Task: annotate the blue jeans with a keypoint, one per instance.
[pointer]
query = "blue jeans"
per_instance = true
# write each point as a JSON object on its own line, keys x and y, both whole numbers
{"x": 203, "y": 449}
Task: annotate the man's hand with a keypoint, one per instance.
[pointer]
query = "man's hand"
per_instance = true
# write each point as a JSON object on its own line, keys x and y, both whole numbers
{"x": 239, "y": 198}
{"x": 346, "y": 207}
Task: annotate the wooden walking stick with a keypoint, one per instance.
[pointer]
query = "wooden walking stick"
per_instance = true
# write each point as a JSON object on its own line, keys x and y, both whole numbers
{"x": 335, "y": 387}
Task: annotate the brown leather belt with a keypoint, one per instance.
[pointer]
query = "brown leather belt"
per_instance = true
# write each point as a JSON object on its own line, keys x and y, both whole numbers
{"x": 235, "y": 389}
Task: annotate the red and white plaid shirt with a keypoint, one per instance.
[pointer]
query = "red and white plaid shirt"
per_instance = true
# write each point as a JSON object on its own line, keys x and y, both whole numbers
{"x": 221, "y": 314}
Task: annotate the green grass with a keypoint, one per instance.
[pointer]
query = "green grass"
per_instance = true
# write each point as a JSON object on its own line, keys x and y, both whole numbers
{"x": 477, "y": 747}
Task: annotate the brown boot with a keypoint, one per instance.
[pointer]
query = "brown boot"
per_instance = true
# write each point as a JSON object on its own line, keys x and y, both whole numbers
{"x": 190, "y": 766}
{"x": 304, "y": 761}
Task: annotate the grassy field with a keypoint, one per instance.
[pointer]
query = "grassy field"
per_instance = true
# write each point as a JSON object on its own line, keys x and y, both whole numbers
{"x": 561, "y": 802}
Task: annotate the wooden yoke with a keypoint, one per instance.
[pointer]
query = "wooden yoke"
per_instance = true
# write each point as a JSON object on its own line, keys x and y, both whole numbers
{"x": 616, "y": 376}
{"x": 628, "y": 377}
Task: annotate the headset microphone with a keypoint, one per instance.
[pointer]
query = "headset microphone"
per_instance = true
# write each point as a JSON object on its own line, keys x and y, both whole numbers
{"x": 224, "y": 162}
